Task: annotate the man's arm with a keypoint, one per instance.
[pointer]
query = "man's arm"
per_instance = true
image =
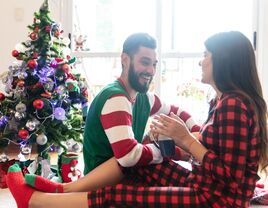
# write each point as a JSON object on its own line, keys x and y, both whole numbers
{"x": 116, "y": 119}
{"x": 158, "y": 106}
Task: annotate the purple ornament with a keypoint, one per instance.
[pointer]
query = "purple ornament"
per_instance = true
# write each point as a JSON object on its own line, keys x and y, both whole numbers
{"x": 59, "y": 113}
{"x": 54, "y": 64}
{"x": 3, "y": 121}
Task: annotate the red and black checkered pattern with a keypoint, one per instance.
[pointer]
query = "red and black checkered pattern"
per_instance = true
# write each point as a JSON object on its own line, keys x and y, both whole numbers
{"x": 226, "y": 177}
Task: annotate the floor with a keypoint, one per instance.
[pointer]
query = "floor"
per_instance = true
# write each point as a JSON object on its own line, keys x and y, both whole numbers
{"x": 7, "y": 201}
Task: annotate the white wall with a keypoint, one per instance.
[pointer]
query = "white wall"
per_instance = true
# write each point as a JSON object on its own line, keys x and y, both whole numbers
{"x": 262, "y": 47}
{"x": 15, "y": 16}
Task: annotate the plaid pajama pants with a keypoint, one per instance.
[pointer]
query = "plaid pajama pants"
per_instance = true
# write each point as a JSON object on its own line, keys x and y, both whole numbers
{"x": 161, "y": 185}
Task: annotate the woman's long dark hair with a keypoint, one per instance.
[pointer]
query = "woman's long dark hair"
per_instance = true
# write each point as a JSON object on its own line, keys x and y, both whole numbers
{"x": 234, "y": 69}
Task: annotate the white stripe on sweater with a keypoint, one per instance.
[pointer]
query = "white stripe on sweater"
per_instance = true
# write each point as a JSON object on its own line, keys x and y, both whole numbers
{"x": 119, "y": 103}
{"x": 118, "y": 133}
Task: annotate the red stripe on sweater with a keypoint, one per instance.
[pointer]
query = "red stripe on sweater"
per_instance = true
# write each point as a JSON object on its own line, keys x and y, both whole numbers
{"x": 174, "y": 109}
{"x": 146, "y": 156}
{"x": 116, "y": 118}
{"x": 195, "y": 128}
{"x": 184, "y": 116}
{"x": 156, "y": 106}
{"x": 123, "y": 147}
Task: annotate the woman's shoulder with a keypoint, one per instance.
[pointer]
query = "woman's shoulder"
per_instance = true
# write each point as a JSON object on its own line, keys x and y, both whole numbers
{"x": 235, "y": 99}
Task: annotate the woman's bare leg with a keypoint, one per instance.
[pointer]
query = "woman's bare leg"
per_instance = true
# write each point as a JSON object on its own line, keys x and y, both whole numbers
{"x": 63, "y": 200}
{"x": 108, "y": 173}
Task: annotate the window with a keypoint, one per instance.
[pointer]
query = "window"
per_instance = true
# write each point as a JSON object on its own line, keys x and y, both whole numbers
{"x": 180, "y": 26}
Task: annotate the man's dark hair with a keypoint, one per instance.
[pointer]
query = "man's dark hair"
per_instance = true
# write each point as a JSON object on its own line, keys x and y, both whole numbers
{"x": 134, "y": 41}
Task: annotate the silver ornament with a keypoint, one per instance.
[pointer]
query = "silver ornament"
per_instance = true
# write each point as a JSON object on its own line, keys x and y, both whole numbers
{"x": 41, "y": 139}
{"x": 77, "y": 147}
{"x": 49, "y": 85}
{"x": 21, "y": 107}
{"x": 26, "y": 149}
{"x": 22, "y": 75}
{"x": 30, "y": 125}
{"x": 3, "y": 157}
{"x": 18, "y": 116}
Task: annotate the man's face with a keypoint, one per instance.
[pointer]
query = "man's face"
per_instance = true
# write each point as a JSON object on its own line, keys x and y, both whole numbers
{"x": 142, "y": 69}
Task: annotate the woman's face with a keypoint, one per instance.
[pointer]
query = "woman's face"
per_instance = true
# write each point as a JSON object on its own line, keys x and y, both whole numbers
{"x": 207, "y": 68}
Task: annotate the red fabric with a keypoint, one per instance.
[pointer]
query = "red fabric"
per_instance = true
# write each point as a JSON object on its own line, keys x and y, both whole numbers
{"x": 3, "y": 171}
{"x": 19, "y": 189}
{"x": 43, "y": 184}
{"x": 223, "y": 179}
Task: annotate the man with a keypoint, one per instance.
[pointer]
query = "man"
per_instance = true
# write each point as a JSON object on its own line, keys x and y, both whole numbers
{"x": 118, "y": 115}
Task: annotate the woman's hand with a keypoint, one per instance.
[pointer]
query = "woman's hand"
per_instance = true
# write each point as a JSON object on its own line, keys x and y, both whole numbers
{"x": 172, "y": 126}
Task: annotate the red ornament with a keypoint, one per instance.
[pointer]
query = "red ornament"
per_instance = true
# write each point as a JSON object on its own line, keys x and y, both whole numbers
{"x": 35, "y": 55}
{"x": 38, "y": 104}
{"x": 57, "y": 34}
{"x": 33, "y": 36}
{"x": 48, "y": 28}
{"x": 23, "y": 134}
{"x": 15, "y": 53}
{"x": 20, "y": 83}
{"x": 58, "y": 60}
{"x": 66, "y": 68}
{"x": 32, "y": 64}
{"x": 2, "y": 96}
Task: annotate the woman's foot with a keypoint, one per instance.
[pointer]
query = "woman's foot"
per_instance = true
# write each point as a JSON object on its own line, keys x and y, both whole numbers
{"x": 42, "y": 184}
{"x": 17, "y": 186}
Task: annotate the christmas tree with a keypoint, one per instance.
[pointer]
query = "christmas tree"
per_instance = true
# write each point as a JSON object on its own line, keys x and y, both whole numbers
{"x": 44, "y": 103}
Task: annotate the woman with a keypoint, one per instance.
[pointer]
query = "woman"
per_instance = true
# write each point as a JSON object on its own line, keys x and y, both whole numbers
{"x": 231, "y": 146}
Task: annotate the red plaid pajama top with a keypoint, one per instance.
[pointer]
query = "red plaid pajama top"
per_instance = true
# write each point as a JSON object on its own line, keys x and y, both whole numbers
{"x": 226, "y": 178}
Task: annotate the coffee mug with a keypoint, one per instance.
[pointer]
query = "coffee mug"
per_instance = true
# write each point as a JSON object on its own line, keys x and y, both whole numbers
{"x": 167, "y": 147}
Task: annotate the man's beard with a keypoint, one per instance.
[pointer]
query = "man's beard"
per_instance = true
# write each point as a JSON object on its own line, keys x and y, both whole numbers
{"x": 133, "y": 79}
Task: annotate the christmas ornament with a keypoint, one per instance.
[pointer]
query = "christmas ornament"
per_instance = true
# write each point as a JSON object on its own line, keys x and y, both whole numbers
{"x": 23, "y": 134}
{"x": 3, "y": 121}
{"x": 20, "y": 83}
{"x": 54, "y": 64}
{"x": 21, "y": 107}
{"x": 38, "y": 104}
{"x": 76, "y": 147}
{"x": 33, "y": 36}
{"x": 66, "y": 68}
{"x": 32, "y": 64}
{"x": 2, "y": 96}
{"x": 30, "y": 125}
{"x": 25, "y": 149}
{"x": 15, "y": 53}
{"x": 19, "y": 116}
{"x": 49, "y": 85}
{"x": 3, "y": 157}
{"x": 22, "y": 75}
{"x": 59, "y": 113}
{"x": 41, "y": 139}
{"x": 35, "y": 55}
